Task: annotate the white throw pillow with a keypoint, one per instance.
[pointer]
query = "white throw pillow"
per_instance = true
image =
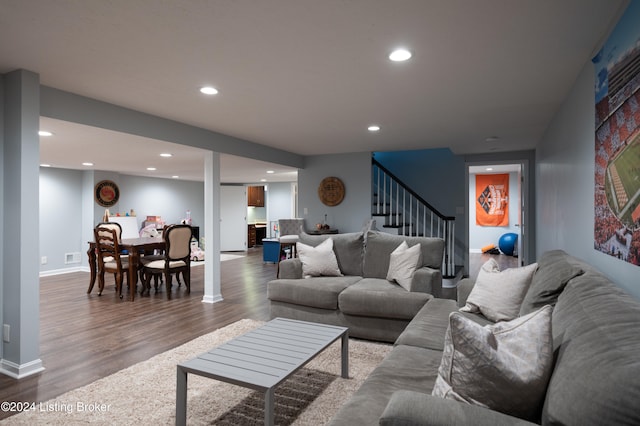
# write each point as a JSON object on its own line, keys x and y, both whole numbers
{"x": 505, "y": 366}
{"x": 403, "y": 262}
{"x": 319, "y": 260}
{"x": 499, "y": 294}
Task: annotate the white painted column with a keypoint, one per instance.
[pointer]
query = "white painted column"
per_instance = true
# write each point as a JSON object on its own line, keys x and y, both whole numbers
{"x": 212, "y": 288}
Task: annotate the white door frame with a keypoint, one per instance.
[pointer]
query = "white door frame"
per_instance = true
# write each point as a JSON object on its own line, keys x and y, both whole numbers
{"x": 523, "y": 234}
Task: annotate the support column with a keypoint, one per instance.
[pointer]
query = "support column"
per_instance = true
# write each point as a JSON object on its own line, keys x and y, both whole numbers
{"x": 20, "y": 218}
{"x": 212, "y": 290}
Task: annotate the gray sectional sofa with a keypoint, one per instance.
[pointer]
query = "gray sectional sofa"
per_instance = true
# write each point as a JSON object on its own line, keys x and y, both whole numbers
{"x": 596, "y": 346}
{"x": 362, "y": 299}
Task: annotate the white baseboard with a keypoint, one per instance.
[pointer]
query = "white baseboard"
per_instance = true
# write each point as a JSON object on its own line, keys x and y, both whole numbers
{"x": 64, "y": 271}
{"x": 16, "y": 371}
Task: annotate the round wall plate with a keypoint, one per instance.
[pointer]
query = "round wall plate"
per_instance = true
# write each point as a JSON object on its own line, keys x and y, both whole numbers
{"x": 331, "y": 191}
{"x": 106, "y": 193}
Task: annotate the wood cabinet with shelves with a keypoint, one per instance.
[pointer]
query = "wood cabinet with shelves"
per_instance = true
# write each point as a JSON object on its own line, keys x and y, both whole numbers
{"x": 255, "y": 196}
{"x": 251, "y": 237}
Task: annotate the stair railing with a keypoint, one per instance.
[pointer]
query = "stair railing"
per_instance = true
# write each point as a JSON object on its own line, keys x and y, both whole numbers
{"x": 410, "y": 214}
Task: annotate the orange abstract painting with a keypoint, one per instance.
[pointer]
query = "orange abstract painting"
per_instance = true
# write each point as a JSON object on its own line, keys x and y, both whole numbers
{"x": 492, "y": 200}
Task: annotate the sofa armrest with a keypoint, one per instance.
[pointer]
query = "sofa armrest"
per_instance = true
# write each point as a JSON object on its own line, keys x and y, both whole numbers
{"x": 408, "y": 408}
{"x": 464, "y": 289}
{"x": 427, "y": 280}
{"x": 290, "y": 268}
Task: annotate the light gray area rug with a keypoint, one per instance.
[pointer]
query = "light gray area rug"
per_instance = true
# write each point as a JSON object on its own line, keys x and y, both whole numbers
{"x": 144, "y": 394}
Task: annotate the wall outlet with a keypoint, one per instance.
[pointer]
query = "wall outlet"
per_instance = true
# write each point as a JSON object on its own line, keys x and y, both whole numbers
{"x": 6, "y": 333}
{"x": 306, "y": 211}
{"x": 43, "y": 260}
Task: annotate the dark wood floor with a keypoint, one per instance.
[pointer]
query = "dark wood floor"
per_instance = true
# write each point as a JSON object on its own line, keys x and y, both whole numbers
{"x": 86, "y": 337}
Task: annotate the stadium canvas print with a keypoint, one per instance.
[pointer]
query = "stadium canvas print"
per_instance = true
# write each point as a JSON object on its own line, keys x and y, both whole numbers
{"x": 617, "y": 139}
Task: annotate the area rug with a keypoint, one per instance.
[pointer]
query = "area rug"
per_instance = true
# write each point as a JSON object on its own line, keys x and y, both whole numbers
{"x": 144, "y": 394}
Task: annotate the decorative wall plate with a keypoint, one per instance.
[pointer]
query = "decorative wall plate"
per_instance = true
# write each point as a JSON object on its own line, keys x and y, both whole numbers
{"x": 106, "y": 193}
{"x": 331, "y": 191}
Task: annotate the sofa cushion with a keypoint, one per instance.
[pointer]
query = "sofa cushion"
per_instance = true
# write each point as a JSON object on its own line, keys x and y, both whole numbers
{"x": 553, "y": 274}
{"x": 317, "y": 292}
{"x": 498, "y": 294}
{"x": 597, "y": 344}
{"x": 318, "y": 261}
{"x": 405, "y": 368}
{"x": 429, "y": 326}
{"x": 505, "y": 366}
{"x": 380, "y": 298}
{"x": 407, "y": 408}
{"x": 349, "y": 249}
{"x": 380, "y": 245}
{"x": 403, "y": 263}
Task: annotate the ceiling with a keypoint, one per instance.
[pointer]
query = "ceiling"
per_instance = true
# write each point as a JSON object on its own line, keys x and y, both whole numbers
{"x": 306, "y": 76}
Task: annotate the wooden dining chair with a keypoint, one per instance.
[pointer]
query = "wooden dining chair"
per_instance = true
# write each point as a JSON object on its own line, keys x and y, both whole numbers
{"x": 111, "y": 225}
{"x": 177, "y": 258}
{"x": 109, "y": 256}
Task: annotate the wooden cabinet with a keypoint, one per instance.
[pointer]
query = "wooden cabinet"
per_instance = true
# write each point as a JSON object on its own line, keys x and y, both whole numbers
{"x": 251, "y": 237}
{"x": 255, "y": 196}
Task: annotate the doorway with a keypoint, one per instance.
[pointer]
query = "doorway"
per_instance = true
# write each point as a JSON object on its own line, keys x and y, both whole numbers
{"x": 479, "y": 238}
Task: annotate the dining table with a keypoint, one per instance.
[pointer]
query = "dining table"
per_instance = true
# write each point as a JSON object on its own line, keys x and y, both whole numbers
{"x": 134, "y": 247}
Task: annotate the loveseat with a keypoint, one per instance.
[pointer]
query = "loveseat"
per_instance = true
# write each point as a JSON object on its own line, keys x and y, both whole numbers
{"x": 359, "y": 296}
{"x": 594, "y": 375}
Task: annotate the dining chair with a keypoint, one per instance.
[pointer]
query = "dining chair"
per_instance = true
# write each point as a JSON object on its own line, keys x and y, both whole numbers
{"x": 109, "y": 257}
{"x": 111, "y": 225}
{"x": 177, "y": 258}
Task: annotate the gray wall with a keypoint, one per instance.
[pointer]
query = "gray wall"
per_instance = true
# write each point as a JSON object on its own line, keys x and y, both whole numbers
{"x": 565, "y": 185}
{"x": 60, "y": 216}
{"x": 355, "y": 172}
{"x": 280, "y": 202}
{"x": 68, "y": 211}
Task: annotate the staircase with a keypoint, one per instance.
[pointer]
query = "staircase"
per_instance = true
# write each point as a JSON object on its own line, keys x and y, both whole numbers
{"x": 406, "y": 213}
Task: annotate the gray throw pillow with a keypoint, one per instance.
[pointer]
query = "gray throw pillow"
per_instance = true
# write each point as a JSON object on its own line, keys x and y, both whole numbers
{"x": 552, "y": 276}
{"x": 504, "y": 367}
{"x": 498, "y": 294}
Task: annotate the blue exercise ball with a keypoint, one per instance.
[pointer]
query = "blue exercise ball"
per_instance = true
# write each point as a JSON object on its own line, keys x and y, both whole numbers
{"x": 507, "y": 243}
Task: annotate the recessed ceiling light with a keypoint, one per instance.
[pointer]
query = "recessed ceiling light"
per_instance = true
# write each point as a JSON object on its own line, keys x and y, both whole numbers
{"x": 373, "y": 128}
{"x": 263, "y": 180}
{"x": 87, "y": 164}
{"x": 270, "y": 172}
{"x": 151, "y": 169}
{"x": 45, "y": 133}
{"x": 489, "y": 169}
{"x": 45, "y": 165}
{"x": 175, "y": 176}
{"x": 208, "y": 90}
{"x": 400, "y": 55}
{"x": 166, "y": 154}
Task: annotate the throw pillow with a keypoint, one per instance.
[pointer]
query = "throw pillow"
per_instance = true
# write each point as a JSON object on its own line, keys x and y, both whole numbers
{"x": 549, "y": 281}
{"x": 403, "y": 262}
{"x": 505, "y": 366}
{"x": 498, "y": 294}
{"x": 318, "y": 261}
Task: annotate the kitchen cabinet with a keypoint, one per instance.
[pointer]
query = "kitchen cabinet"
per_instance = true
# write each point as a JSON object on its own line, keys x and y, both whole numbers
{"x": 255, "y": 234}
{"x": 251, "y": 236}
{"x": 255, "y": 196}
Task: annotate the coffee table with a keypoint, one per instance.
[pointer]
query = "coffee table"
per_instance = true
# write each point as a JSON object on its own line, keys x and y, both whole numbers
{"x": 262, "y": 359}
